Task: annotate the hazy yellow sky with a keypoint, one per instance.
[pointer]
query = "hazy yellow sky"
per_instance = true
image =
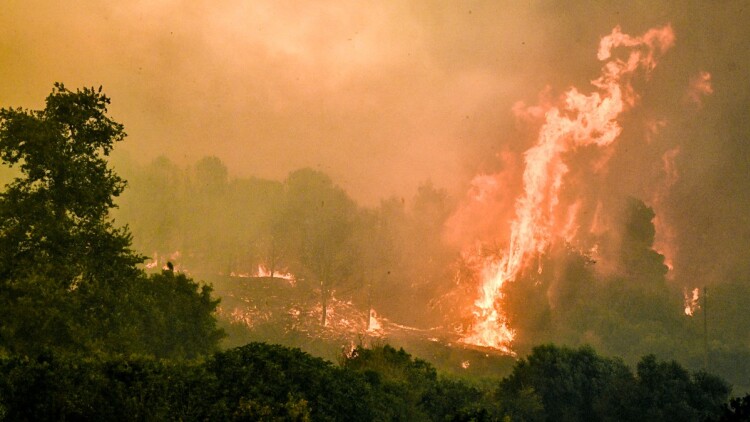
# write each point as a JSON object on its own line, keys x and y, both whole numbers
{"x": 381, "y": 95}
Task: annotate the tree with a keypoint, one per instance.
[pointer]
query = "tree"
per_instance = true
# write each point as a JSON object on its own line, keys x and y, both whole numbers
{"x": 737, "y": 410}
{"x": 374, "y": 248}
{"x": 55, "y": 215}
{"x": 322, "y": 216}
{"x": 581, "y": 385}
{"x": 57, "y": 245}
{"x": 169, "y": 316}
{"x": 571, "y": 385}
{"x": 68, "y": 276}
{"x": 669, "y": 392}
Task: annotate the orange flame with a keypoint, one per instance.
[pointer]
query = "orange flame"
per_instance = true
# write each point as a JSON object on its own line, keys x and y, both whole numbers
{"x": 153, "y": 263}
{"x": 700, "y": 86}
{"x": 582, "y": 120}
{"x": 664, "y": 243}
{"x": 374, "y": 324}
{"x": 263, "y": 272}
{"x": 692, "y": 301}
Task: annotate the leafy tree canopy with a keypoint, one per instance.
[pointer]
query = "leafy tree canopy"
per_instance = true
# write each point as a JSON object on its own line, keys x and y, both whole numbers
{"x": 68, "y": 276}
{"x": 54, "y": 217}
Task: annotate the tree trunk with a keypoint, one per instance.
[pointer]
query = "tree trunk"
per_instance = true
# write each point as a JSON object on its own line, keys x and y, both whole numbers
{"x": 273, "y": 258}
{"x": 369, "y": 303}
{"x": 324, "y": 302}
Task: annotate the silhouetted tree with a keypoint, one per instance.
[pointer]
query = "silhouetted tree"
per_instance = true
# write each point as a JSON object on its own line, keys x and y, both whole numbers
{"x": 738, "y": 410}
{"x": 574, "y": 385}
{"x": 58, "y": 247}
{"x": 322, "y": 217}
{"x": 68, "y": 277}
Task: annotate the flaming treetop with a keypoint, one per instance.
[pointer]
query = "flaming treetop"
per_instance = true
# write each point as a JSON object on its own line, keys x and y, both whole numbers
{"x": 582, "y": 120}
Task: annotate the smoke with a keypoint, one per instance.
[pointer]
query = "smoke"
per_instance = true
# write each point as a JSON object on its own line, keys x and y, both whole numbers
{"x": 382, "y": 96}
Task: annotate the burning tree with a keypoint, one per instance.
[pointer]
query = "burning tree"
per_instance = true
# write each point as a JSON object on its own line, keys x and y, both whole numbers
{"x": 581, "y": 121}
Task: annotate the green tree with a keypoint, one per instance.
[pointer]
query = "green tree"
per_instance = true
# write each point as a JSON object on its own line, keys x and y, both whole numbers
{"x": 169, "y": 316}
{"x": 68, "y": 276}
{"x": 669, "y": 392}
{"x": 322, "y": 217}
{"x": 578, "y": 385}
{"x": 58, "y": 247}
{"x": 55, "y": 215}
{"x": 571, "y": 385}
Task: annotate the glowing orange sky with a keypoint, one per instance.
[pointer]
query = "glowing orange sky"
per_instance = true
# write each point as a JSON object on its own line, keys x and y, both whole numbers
{"x": 368, "y": 93}
{"x": 380, "y": 95}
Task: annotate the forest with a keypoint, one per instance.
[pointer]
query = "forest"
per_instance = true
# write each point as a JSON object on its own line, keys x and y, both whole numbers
{"x": 143, "y": 300}
{"x": 399, "y": 261}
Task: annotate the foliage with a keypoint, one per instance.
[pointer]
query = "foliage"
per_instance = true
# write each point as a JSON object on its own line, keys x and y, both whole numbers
{"x": 170, "y": 316}
{"x": 137, "y": 388}
{"x": 320, "y": 217}
{"x": 255, "y": 382}
{"x": 738, "y": 410}
{"x": 570, "y": 384}
{"x": 279, "y": 379}
{"x": 573, "y": 385}
{"x": 411, "y": 389}
{"x": 668, "y": 391}
{"x": 69, "y": 280}
{"x": 269, "y": 382}
{"x": 54, "y": 217}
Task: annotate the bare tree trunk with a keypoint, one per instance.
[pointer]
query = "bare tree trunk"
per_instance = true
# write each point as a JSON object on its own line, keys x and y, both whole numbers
{"x": 369, "y": 303}
{"x": 273, "y": 258}
{"x": 324, "y": 302}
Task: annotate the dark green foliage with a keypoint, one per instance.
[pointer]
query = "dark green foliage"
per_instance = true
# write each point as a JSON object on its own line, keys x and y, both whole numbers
{"x": 255, "y": 382}
{"x": 54, "y": 217}
{"x": 58, "y": 250}
{"x": 409, "y": 389}
{"x": 560, "y": 384}
{"x": 267, "y": 382}
{"x": 168, "y": 315}
{"x": 738, "y": 410}
{"x": 112, "y": 389}
{"x": 68, "y": 276}
{"x": 571, "y": 385}
{"x": 278, "y": 380}
{"x": 668, "y": 391}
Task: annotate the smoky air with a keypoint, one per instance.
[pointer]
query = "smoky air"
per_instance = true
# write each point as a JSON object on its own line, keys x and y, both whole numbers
{"x": 482, "y": 184}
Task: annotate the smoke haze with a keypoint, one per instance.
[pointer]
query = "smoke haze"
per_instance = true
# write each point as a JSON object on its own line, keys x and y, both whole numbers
{"x": 383, "y": 96}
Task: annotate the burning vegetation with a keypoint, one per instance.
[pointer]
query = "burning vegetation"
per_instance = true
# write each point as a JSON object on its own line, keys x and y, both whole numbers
{"x": 597, "y": 216}
{"x": 554, "y": 246}
{"x": 542, "y": 216}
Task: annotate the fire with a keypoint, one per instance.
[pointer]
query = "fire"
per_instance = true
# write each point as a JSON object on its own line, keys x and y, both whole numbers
{"x": 153, "y": 263}
{"x": 164, "y": 260}
{"x": 263, "y": 272}
{"x": 664, "y": 243}
{"x": 691, "y": 301}
{"x": 581, "y": 121}
{"x": 700, "y": 86}
{"x": 374, "y": 324}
